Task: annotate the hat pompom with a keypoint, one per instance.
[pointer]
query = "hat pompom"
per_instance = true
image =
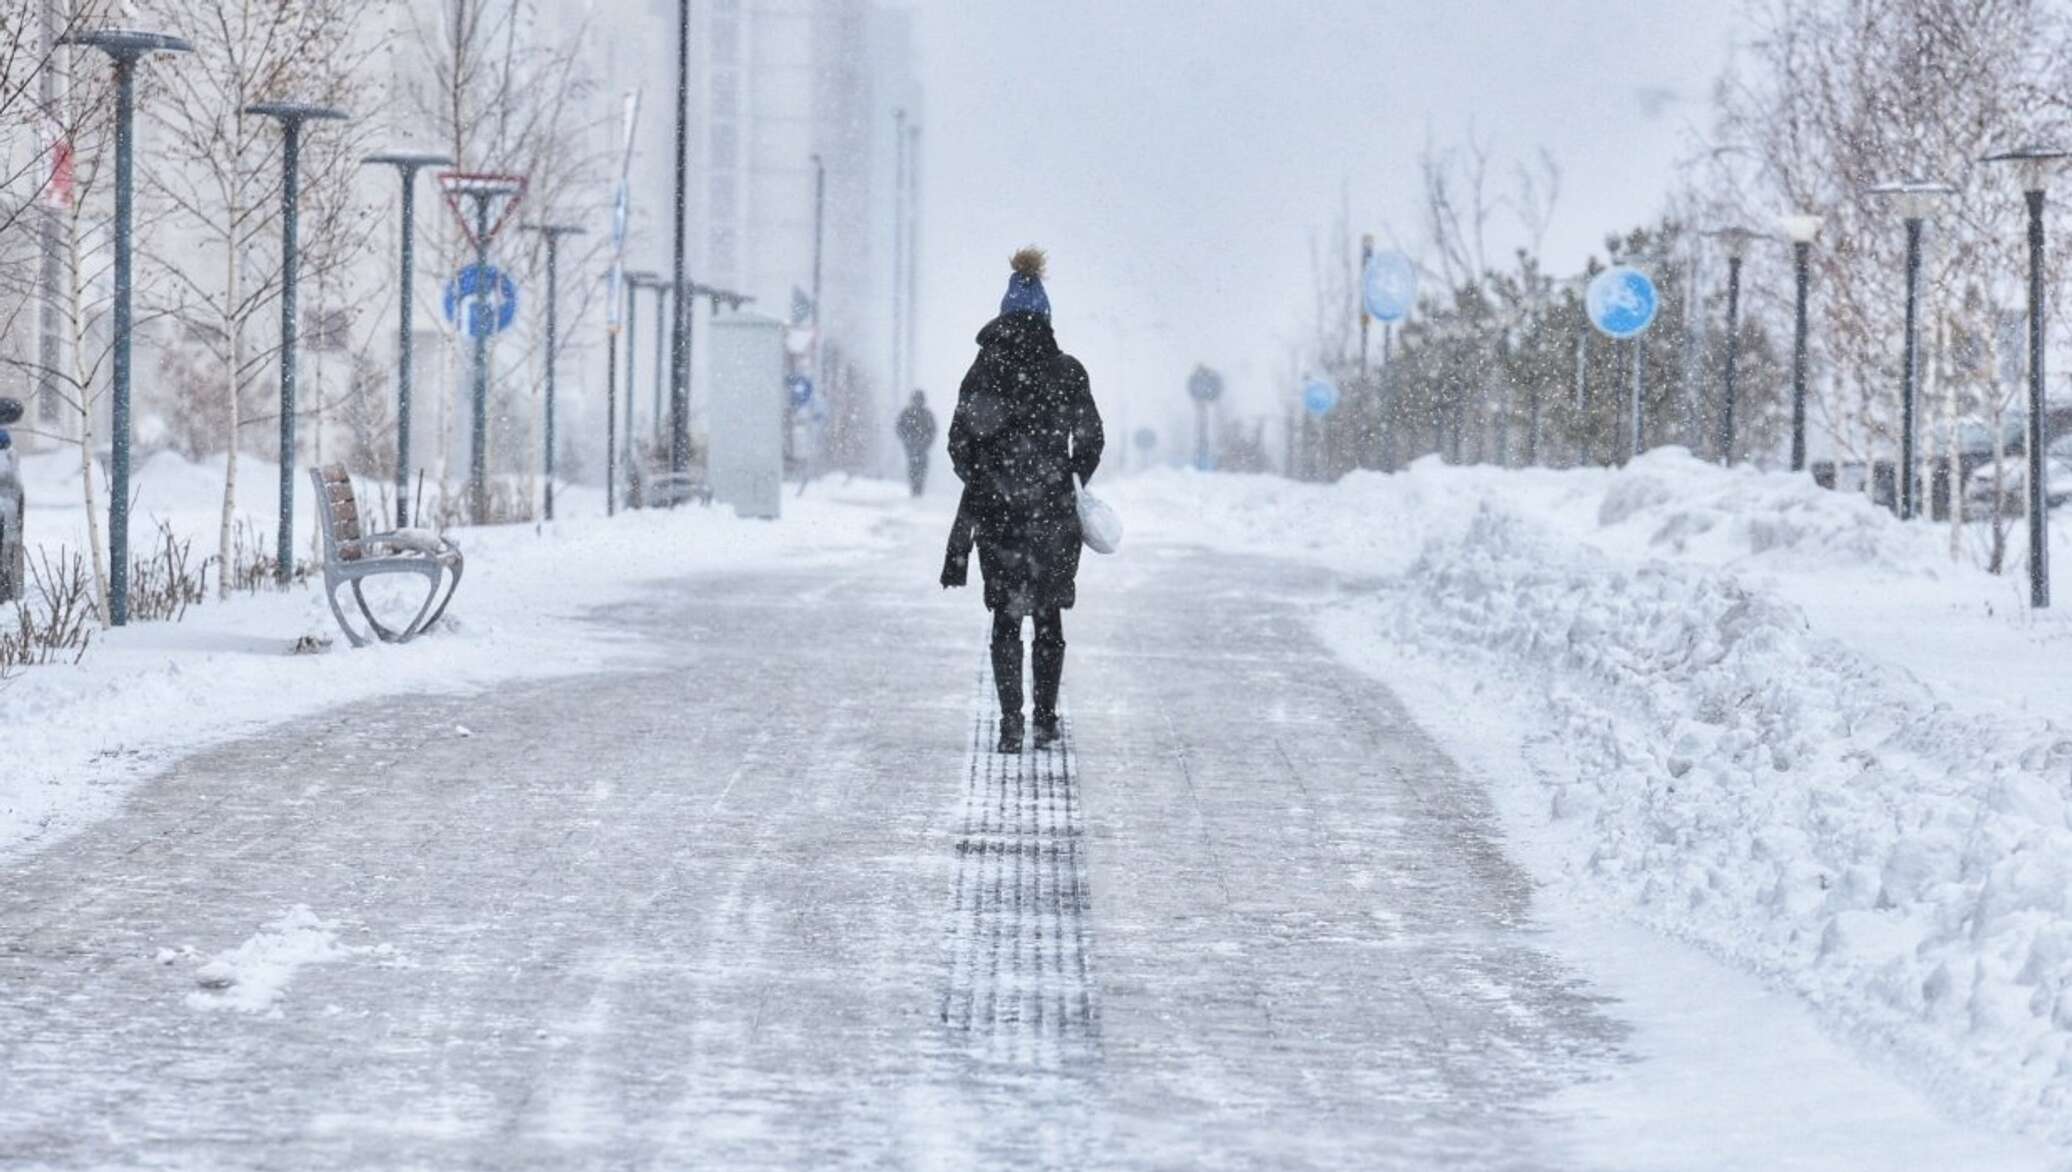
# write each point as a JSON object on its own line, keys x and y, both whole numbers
{"x": 1029, "y": 262}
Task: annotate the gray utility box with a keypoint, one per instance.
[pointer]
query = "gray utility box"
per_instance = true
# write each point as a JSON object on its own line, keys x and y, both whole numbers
{"x": 746, "y": 463}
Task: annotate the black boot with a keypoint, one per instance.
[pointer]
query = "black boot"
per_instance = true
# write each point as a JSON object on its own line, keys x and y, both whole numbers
{"x": 1049, "y": 668}
{"x": 1007, "y": 679}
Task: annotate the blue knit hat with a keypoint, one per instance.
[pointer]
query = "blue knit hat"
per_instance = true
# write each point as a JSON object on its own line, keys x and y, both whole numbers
{"x": 1025, "y": 285}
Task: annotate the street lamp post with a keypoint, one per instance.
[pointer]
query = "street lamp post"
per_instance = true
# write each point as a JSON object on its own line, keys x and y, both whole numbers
{"x": 2035, "y": 164}
{"x": 819, "y": 242}
{"x": 291, "y": 116}
{"x": 1801, "y": 228}
{"x": 124, "y": 47}
{"x": 407, "y": 165}
{"x": 1916, "y": 200}
{"x": 899, "y": 166}
{"x": 679, "y": 345}
{"x": 1736, "y": 241}
{"x": 551, "y": 234}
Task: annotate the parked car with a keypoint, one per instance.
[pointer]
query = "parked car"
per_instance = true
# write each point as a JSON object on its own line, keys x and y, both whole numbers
{"x": 2011, "y": 480}
{"x": 14, "y": 507}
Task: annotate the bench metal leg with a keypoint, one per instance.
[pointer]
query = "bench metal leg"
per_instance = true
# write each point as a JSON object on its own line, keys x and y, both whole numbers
{"x": 415, "y": 626}
{"x": 331, "y": 595}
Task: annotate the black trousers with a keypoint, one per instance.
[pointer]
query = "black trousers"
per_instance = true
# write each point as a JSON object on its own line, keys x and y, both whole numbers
{"x": 1049, "y": 665}
{"x": 917, "y": 471}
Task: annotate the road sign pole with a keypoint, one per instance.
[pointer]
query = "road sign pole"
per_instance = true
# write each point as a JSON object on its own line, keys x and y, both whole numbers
{"x": 662, "y": 301}
{"x": 611, "y": 423}
{"x": 478, "y": 323}
{"x": 632, "y": 364}
{"x": 1638, "y": 435}
{"x": 1366, "y": 259}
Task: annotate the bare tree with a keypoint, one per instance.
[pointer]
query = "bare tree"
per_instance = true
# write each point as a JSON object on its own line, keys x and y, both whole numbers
{"x": 221, "y": 184}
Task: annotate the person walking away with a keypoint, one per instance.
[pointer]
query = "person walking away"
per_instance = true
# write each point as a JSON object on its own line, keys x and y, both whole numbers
{"x": 916, "y": 430}
{"x": 1024, "y": 430}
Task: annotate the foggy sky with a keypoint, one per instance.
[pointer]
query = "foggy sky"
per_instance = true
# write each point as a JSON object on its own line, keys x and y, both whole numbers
{"x": 1175, "y": 155}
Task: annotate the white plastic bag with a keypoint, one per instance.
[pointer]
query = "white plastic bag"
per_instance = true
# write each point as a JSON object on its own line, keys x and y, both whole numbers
{"x": 1099, "y": 525}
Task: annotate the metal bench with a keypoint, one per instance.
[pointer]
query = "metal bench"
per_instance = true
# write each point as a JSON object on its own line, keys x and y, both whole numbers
{"x": 352, "y": 556}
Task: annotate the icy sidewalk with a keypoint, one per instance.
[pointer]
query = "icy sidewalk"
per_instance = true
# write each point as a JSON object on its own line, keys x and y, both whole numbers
{"x": 78, "y": 738}
{"x": 1732, "y": 715}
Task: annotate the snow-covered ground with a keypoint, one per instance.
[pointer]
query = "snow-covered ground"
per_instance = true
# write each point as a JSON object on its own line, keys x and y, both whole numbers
{"x": 1738, "y": 709}
{"x": 79, "y": 737}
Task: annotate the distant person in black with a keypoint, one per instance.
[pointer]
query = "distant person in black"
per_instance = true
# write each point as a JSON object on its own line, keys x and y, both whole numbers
{"x": 916, "y": 430}
{"x": 1025, "y": 429}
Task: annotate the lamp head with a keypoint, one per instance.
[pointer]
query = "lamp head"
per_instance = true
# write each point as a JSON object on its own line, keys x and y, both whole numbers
{"x": 2034, "y": 164}
{"x": 1800, "y": 227}
{"x": 1916, "y": 199}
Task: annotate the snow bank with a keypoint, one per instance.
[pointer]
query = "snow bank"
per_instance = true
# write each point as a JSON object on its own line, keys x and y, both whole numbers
{"x": 1734, "y": 730}
{"x": 1735, "y": 779}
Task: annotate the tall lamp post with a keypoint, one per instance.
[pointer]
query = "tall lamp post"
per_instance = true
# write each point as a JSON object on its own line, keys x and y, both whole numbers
{"x": 679, "y": 345}
{"x": 291, "y": 116}
{"x": 1801, "y": 228}
{"x": 1916, "y": 199}
{"x": 819, "y": 241}
{"x": 552, "y": 234}
{"x": 2035, "y": 163}
{"x": 1736, "y": 242}
{"x": 899, "y": 187}
{"x": 407, "y": 165}
{"x": 124, "y": 47}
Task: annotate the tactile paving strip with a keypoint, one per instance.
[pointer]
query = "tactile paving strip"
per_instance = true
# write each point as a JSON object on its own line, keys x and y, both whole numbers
{"x": 1018, "y": 950}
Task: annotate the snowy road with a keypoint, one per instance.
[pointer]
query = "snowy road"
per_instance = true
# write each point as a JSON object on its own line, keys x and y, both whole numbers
{"x": 770, "y": 909}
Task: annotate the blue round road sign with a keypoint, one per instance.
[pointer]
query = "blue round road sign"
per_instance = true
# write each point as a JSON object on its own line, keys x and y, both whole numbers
{"x": 1621, "y": 301}
{"x": 461, "y": 297}
{"x": 1389, "y": 286}
{"x": 1205, "y": 385}
{"x": 1319, "y": 395}
{"x": 801, "y": 389}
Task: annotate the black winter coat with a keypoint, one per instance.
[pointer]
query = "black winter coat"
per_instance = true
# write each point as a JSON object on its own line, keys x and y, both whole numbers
{"x": 1025, "y": 426}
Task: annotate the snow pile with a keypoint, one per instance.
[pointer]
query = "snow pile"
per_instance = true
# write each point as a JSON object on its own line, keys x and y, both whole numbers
{"x": 1731, "y": 777}
{"x": 254, "y": 976}
{"x": 1685, "y": 508}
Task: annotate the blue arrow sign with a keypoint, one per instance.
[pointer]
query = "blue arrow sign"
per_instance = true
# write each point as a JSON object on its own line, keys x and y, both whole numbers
{"x": 801, "y": 389}
{"x": 1621, "y": 301}
{"x": 1389, "y": 287}
{"x": 503, "y": 300}
{"x": 1319, "y": 395}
